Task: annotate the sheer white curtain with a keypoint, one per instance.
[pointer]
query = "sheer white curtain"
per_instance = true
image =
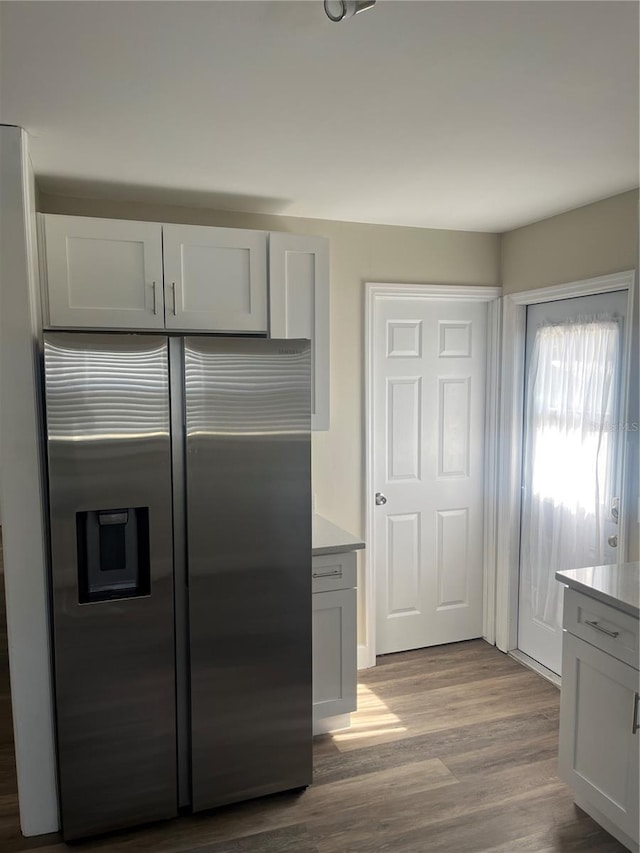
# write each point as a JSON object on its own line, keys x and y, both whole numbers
{"x": 569, "y": 444}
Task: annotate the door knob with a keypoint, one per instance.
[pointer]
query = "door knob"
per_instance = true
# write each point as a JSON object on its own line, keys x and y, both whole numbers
{"x": 380, "y": 499}
{"x": 613, "y": 540}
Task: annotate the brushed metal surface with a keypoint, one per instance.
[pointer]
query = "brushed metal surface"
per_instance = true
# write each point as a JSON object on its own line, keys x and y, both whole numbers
{"x": 107, "y": 402}
{"x": 248, "y": 466}
{"x": 181, "y": 602}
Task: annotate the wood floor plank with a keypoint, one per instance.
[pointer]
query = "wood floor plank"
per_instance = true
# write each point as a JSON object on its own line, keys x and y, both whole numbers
{"x": 569, "y": 837}
{"x": 491, "y": 735}
{"x": 364, "y": 791}
{"x": 442, "y": 671}
{"x": 503, "y": 823}
{"x": 422, "y": 812}
{"x": 509, "y": 753}
{"x": 290, "y": 839}
{"x": 381, "y": 719}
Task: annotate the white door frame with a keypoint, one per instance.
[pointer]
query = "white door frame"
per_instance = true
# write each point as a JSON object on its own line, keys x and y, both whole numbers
{"x": 511, "y": 431}
{"x": 377, "y": 292}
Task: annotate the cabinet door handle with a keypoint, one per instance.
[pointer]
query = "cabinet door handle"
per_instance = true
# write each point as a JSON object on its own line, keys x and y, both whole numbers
{"x": 336, "y": 573}
{"x": 636, "y": 722}
{"x": 173, "y": 295}
{"x": 155, "y": 302}
{"x": 597, "y": 627}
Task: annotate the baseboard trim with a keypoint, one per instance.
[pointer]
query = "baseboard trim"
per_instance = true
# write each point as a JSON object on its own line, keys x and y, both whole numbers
{"x": 364, "y": 658}
{"x": 530, "y": 663}
{"x": 331, "y": 724}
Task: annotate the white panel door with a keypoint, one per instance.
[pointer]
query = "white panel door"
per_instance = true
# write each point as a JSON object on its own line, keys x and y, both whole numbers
{"x": 215, "y": 278}
{"x": 102, "y": 273}
{"x": 562, "y": 471}
{"x": 299, "y": 306}
{"x": 428, "y": 443}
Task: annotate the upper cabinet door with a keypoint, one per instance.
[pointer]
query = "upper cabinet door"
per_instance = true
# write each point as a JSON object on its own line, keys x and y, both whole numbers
{"x": 299, "y": 306}
{"x": 101, "y": 273}
{"x": 215, "y": 279}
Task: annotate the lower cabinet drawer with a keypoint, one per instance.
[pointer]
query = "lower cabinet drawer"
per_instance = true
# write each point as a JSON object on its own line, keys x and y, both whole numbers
{"x": 334, "y": 653}
{"x": 602, "y": 626}
{"x": 333, "y": 571}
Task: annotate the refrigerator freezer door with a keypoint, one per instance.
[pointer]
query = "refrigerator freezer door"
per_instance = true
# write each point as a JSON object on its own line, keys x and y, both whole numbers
{"x": 107, "y": 402}
{"x": 248, "y": 464}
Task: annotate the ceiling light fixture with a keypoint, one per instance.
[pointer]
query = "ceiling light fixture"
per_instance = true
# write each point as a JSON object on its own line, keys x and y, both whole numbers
{"x": 340, "y": 10}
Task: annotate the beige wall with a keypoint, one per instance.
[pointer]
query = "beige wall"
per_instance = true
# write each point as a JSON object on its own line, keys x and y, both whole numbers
{"x": 359, "y": 253}
{"x": 597, "y": 239}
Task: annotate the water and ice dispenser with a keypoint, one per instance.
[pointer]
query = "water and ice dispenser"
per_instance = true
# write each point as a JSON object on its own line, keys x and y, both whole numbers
{"x": 113, "y": 553}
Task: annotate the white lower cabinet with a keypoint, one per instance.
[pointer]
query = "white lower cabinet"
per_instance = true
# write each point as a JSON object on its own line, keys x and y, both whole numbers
{"x": 334, "y": 641}
{"x": 599, "y": 753}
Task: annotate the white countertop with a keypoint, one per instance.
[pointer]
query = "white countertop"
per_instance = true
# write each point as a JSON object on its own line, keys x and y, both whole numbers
{"x": 618, "y": 586}
{"x": 328, "y": 538}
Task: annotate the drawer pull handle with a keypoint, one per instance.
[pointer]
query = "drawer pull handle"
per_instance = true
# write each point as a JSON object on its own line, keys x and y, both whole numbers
{"x": 596, "y": 626}
{"x": 336, "y": 573}
{"x": 636, "y": 722}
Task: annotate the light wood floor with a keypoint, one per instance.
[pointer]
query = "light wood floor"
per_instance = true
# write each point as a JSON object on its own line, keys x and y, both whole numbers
{"x": 453, "y": 750}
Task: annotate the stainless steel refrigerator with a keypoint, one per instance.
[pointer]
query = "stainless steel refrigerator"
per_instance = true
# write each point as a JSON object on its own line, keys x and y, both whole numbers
{"x": 180, "y": 534}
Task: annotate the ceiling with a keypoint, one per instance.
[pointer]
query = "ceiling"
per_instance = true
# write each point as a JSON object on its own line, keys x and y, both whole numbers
{"x": 459, "y": 115}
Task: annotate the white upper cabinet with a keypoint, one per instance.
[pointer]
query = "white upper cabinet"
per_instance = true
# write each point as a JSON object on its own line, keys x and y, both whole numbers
{"x": 103, "y": 273}
{"x": 215, "y": 278}
{"x": 299, "y": 306}
{"x": 122, "y": 274}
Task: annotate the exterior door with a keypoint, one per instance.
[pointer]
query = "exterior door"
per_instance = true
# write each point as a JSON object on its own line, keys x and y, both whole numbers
{"x": 571, "y": 465}
{"x": 428, "y": 387}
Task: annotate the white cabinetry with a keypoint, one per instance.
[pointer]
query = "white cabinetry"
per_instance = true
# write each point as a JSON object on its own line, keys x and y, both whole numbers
{"x": 121, "y": 274}
{"x": 599, "y": 753}
{"x": 299, "y": 306}
{"x": 101, "y": 273}
{"x": 215, "y": 278}
{"x": 334, "y": 641}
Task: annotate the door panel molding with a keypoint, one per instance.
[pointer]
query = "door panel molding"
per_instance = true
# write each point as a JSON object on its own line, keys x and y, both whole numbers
{"x": 375, "y": 293}
{"x": 511, "y": 432}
